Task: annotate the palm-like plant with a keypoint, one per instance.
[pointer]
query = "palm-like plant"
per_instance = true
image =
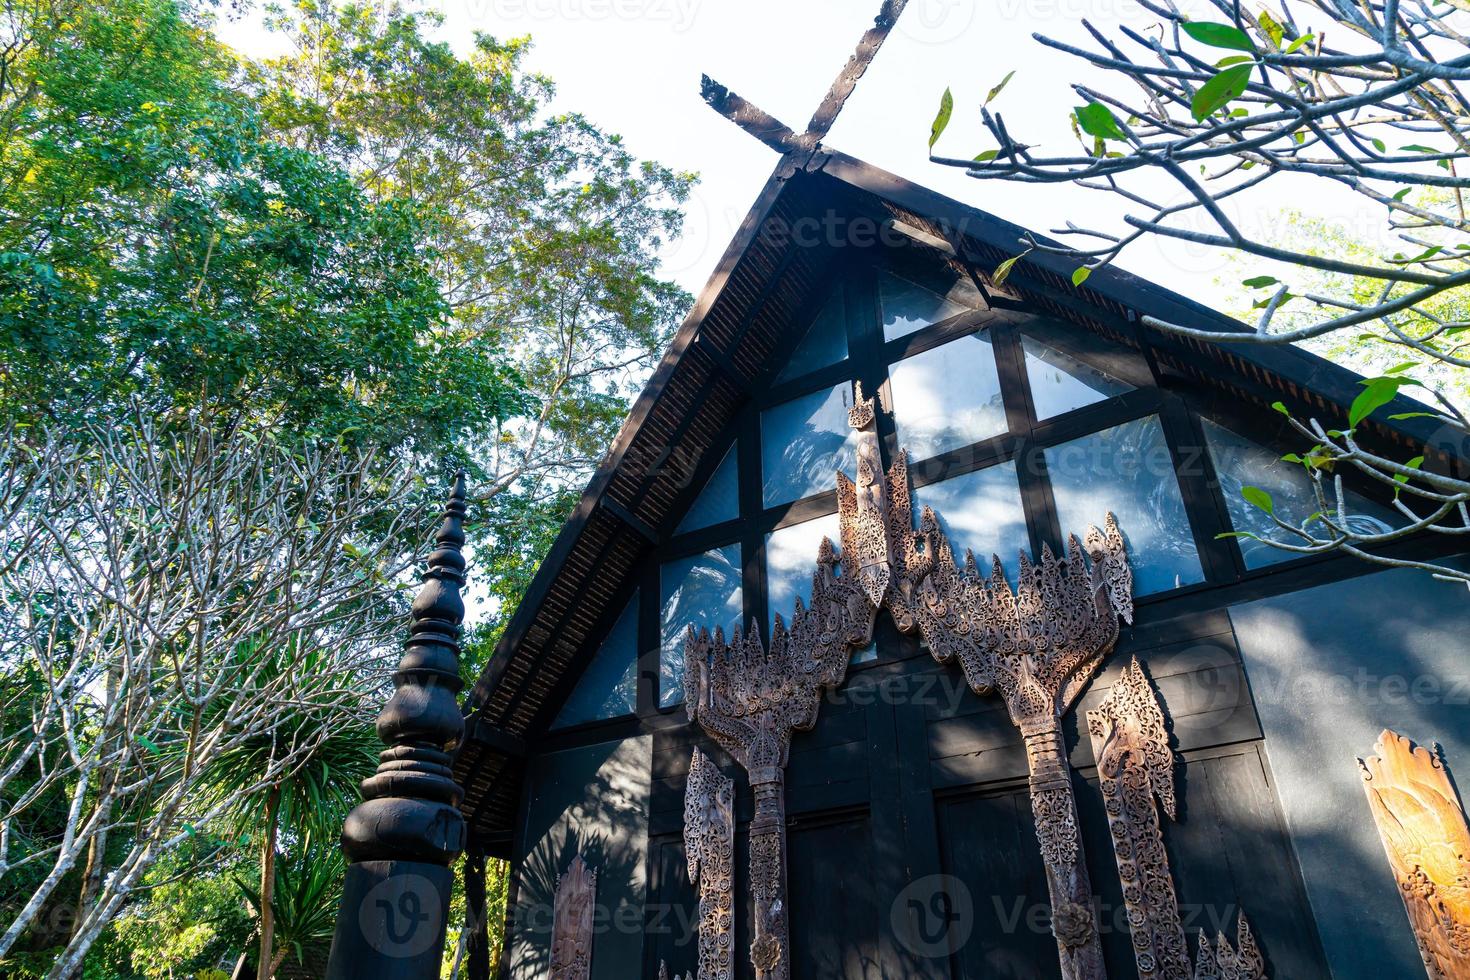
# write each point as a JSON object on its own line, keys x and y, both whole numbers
{"x": 332, "y": 734}
{"x": 303, "y": 900}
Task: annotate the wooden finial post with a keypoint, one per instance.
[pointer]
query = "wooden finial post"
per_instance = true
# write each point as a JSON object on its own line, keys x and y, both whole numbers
{"x": 402, "y": 838}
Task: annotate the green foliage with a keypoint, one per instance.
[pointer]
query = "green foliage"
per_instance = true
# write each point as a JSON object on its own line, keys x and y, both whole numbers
{"x": 1218, "y": 35}
{"x": 1221, "y": 90}
{"x": 942, "y": 117}
{"x": 191, "y": 919}
{"x": 1096, "y": 119}
{"x": 308, "y": 886}
{"x": 166, "y": 246}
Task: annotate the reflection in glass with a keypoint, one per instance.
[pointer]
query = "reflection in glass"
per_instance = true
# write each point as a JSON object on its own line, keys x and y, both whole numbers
{"x": 791, "y": 559}
{"x": 1129, "y": 471}
{"x": 947, "y": 397}
{"x": 608, "y": 687}
{"x": 702, "y": 591}
{"x": 1061, "y": 383}
{"x": 981, "y": 512}
{"x": 908, "y": 306}
{"x": 803, "y": 442}
{"x": 719, "y": 501}
{"x": 825, "y": 341}
{"x": 1240, "y": 462}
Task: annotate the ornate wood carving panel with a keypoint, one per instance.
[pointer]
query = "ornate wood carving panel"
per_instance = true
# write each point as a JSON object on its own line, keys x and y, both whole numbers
{"x": 1424, "y": 834}
{"x": 1135, "y": 765}
{"x": 572, "y": 922}
{"x": 751, "y": 703}
{"x": 1243, "y": 961}
{"x": 709, "y": 845}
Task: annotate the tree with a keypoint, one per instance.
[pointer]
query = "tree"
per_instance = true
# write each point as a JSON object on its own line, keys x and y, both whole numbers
{"x": 186, "y": 562}
{"x": 157, "y": 243}
{"x": 545, "y": 230}
{"x": 309, "y": 801}
{"x": 1214, "y": 109}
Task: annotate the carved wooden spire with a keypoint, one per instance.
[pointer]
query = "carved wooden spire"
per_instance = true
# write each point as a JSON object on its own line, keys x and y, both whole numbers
{"x": 402, "y": 838}
{"x": 410, "y": 807}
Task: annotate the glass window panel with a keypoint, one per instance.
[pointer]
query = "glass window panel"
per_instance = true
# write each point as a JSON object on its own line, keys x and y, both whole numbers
{"x": 791, "y": 558}
{"x": 1061, "y": 383}
{"x": 803, "y": 442}
{"x": 702, "y": 591}
{"x": 909, "y": 306}
{"x": 719, "y": 501}
{"x": 1239, "y": 462}
{"x": 981, "y": 512}
{"x": 947, "y": 397}
{"x": 1129, "y": 471}
{"x": 825, "y": 341}
{"x": 608, "y": 687}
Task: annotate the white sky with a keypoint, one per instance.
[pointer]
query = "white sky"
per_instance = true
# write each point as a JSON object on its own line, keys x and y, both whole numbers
{"x": 633, "y": 67}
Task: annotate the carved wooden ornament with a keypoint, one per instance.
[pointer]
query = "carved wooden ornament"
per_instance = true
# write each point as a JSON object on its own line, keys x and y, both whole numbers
{"x": 1223, "y": 962}
{"x": 1037, "y": 646}
{"x": 709, "y": 846}
{"x": 751, "y": 702}
{"x": 572, "y": 921}
{"x": 1424, "y": 834}
{"x": 1135, "y": 765}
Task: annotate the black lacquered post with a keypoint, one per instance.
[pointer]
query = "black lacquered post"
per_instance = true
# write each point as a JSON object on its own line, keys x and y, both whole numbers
{"x": 402, "y": 838}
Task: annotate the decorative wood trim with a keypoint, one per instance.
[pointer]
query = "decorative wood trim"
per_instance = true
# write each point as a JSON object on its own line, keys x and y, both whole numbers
{"x": 1424, "y": 834}
{"x": 709, "y": 847}
{"x": 1135, "y": 765}
{"x": 572, "y": 922}
{"x": 752, "y": 703}
{"x": 1243, "y": 961}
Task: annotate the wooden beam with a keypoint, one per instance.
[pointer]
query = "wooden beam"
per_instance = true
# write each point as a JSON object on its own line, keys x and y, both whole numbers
{"x": 748, "y": 116}
{"x": 847, "y": 79}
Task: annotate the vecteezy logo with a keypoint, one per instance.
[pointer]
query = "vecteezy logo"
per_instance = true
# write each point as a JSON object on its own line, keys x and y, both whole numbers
{"x": 937, "y": 21}
{"x": 934, "y": 915}
{"x": 395, "y": 916}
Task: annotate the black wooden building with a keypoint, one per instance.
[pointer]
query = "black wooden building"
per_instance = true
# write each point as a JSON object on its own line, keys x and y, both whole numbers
{"x": 1029, "y": 410}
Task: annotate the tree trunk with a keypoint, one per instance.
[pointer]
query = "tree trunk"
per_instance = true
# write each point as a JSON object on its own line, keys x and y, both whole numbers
{"x": 266, "y": 963}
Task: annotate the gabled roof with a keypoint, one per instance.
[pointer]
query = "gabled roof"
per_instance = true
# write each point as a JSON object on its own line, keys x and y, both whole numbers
{"x": 725, "y": 350}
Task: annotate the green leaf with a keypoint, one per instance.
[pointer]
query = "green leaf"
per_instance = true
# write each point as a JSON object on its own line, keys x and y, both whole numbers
{"x": 1260, "y": 282}
{"x": 1278, "y": 406}
{"x": 1400, "y": 368}
{"x": 985, "y": 156}
{"x": 998, "y": 89}
{"x": 1402, "y": 193}
{"x": 1096, "y": 120}
{"x": 1234, "y": 59}
{"x": 148, "y": 744}
{"x": 1258, "y": 498}
{"x": 1237, "y": 534}
{"x": 1080, "y": 274}
{"x": 1376, "y": 393}
{"x": 1216, "y": 94}
{"x": 1219, "y": 35}
{"x": 941, "y": 120}
{"x": 1400, "y": 416}
{"x": 1380, "y": 146}
{"x": 1419, "y": 148}
{"x": 1272, "y": 29}
{"x": 1003, "y": 271}
{"x": 1296, "y": 45}
{"x": 1403, "y": 478}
